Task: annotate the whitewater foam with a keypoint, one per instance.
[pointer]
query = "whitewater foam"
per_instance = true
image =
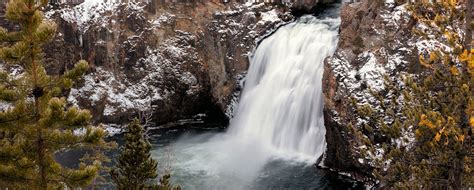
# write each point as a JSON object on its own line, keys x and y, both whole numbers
{"x": 279, "y": 115}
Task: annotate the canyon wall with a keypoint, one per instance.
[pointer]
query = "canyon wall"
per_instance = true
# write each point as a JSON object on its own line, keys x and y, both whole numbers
{"x": 180, "y": 60}
{"x": 376, "y": 42}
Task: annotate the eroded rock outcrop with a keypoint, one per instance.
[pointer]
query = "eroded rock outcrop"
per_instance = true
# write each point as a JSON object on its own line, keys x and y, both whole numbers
{"x": 307, "y": 4}
{"x": 376, "y": 41}
{"x": 181, "y": 60}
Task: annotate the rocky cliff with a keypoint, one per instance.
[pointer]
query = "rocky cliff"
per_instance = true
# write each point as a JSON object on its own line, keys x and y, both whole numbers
{"x": 376, "y": 41}
{"x": 180, "y": 60}
{"x": 185, "y": 60}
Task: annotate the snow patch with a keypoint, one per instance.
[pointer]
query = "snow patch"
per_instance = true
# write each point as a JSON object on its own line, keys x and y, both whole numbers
{"x": 95, "y": 12}
{"x": 372, "y": 72}
{"x": 269, "y": 16}
{"x": 103, "y": 87}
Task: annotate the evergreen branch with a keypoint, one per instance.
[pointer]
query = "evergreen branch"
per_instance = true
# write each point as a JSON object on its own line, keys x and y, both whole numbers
{"x": 17, "y": 118}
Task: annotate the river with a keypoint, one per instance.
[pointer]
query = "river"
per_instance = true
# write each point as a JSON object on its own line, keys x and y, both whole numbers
{"x": 277, "y": 132}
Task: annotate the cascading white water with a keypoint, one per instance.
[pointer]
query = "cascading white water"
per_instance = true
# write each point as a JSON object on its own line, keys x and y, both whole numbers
{"x": 281, "y": 105}
{"x": 279, "y": 114}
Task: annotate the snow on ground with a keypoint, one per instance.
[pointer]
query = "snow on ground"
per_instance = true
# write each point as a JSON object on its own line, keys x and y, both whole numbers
{"x": 15, "y": 72}
{"x": 113, "y": 129}
{"x": 430, "y": 45}
{"x": 103, "y": 86}
{"x": 377, "y": 63}
{"x": 358, "y": 81}
{"x": 95, "y": 12}
{"x": 393, "y": 19}
{"x": 113, "y": 91}
{"x": 164, "y": 18}
{"x": 110, "y": 129}
{"x": 372, "y": 72}
{"x": 118, "y": 94}
{"x": 269, "y": 16}
{"x": 373, "y": 65}
{"x": 91, "y": 11}
{"x": 4, "y": 106}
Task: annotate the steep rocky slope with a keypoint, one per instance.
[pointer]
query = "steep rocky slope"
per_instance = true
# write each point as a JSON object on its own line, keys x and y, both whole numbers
{"x": 178, "y": 59}
{"x": 376, "y": 41}
{"x": 183, "y": 60}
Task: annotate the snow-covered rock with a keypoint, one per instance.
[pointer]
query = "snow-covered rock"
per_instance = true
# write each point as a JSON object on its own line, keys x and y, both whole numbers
{"x": 176, "y": 59}
{"x": 375, "y": 42}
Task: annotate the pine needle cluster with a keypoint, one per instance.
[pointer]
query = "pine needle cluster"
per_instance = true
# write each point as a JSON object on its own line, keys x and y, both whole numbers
{"x": 38, "y": 121}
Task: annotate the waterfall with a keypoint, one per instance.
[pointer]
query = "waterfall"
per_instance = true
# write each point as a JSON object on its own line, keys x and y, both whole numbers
{"x": 281, "y": 107}
{"x": 279, "y": 117}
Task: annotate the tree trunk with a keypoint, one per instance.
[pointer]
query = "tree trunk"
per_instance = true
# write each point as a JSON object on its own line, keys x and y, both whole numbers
{"x": 42, "y": 168}
{"x": 456, "y": 173}
{"x": 37, "y": 93}
{"x": 468, "y": 30}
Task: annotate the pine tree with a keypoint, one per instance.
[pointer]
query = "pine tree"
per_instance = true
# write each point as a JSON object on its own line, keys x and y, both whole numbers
{"x": 165, "y": 184}
{"x": 38, "y": 122}
{"x": 437, "y": 110}
{"x": 135, "y": 166}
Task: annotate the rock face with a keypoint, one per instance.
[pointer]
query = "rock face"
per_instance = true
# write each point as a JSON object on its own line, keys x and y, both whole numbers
{"x": 307, "y": 4}
{"x": 183, "y": 60}
{"x": 376, "y": 41}
{"x": 180, "y": 60}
